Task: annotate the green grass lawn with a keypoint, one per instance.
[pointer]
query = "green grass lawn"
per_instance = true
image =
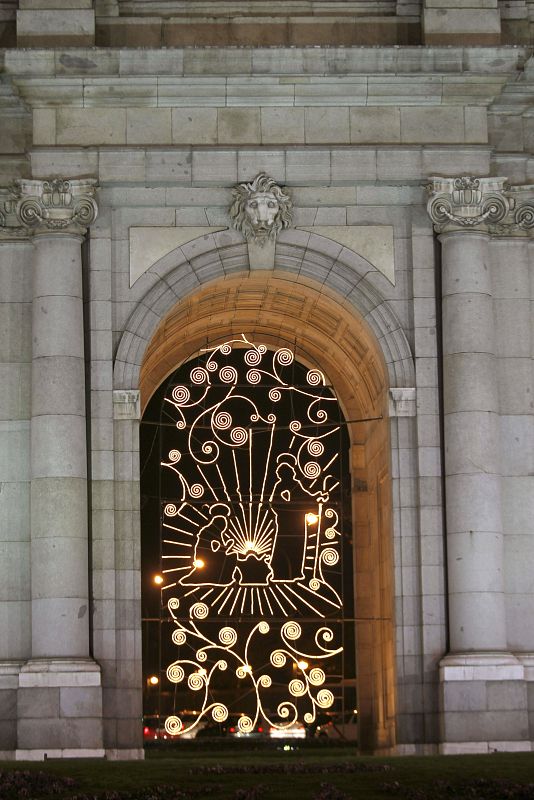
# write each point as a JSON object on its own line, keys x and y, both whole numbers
{"x": 186, "y": 767}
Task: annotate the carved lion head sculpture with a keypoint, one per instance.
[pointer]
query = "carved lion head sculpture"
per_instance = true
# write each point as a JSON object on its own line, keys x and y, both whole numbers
{"x": 260, "y": 209}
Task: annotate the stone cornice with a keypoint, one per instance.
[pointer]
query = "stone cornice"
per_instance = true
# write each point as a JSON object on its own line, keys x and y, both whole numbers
{"x": 54, "y": 205}
{"x": 487, "y": 205}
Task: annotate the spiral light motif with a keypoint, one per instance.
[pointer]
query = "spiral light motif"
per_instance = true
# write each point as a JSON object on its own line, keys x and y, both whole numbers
{"x": 311, "y": 469}
{"x": 175, "y": 673}
{"x": 265, "y": 681}
{"x": 241, "y": 672}
{"x": 330, "y": 533}
{"x": 181, "y": 395}
{"x": 308, "y": 718}
{"x": 291, "y": 631}
{"x": 196, "y": 681}
{"x": 326, "y": 634}
{"x": 199, "y": 375}
{"x": 174, "y": 456}
{"x": 212, "y": 366}
{"x": 252, "y": 358}
{"x": 285, "y": 709}
{"x": 219, "y": 713}
{"x": 330, "y": 556}
{"x": 173, "y": 604}
{"x": 238, "y": 435}
{"x": 173, "y": 725}
{"x": 179, "y": 637}
{"x": 227, "y": 637}
{"x": 222, "y": 665}
{"x": 222, "y": 420}
{"x": 297, "y": 687}
{"x": 201, "y": 655}
{"x": 196, "y": 490}
{"x": 228, "y": 374}
{"x": 314, "y": 585}
{"x": 170, "y": 510}
{"x": 316, "y": 676}
{"x": 278, "y": 658}
{"x": 245, "y": 724}
{"x": 253, "y": 376}
{"x": 226, "y": 349}
{"x": 275, "y": 395}
{"x": 325, "y": 698}
{"x": 263, "y": 627}
{"x": 284, "y": 356}
{"x": 314, "y": 377}
{"x": 295, "y": 426}
{"x": 315, "y": 447}
{"x": 199, "y": 611}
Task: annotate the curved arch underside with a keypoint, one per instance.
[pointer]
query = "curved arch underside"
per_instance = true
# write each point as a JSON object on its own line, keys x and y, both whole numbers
{"x": 277, "y": 310}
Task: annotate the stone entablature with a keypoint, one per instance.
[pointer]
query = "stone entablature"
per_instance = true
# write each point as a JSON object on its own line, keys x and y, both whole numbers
{"x": 484, "y": 204}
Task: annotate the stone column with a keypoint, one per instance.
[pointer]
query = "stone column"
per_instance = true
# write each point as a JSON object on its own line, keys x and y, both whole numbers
{"x": 15, "y": 392}
{"x": 465, "y": 212}
{"x": 59, "y": 695}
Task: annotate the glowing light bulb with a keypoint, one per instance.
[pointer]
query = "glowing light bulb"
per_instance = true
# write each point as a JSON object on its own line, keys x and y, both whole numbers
{"x": 198, "y": 563}
{"x": 249, "y": 545}
{"x": 302, "y": 665}
{"x": 202, "y": 671}
{"x": 312, "y": 518}
{"x": 153, "y": 680}
{"x": 158, "y": 580}
{"x": 247, "y": 668}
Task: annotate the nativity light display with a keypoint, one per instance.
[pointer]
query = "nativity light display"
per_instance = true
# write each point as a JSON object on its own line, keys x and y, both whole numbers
{"x": 251, "y": 537}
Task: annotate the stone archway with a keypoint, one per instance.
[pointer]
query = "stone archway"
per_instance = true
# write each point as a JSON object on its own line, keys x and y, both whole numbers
{"x": 283, "y": 309}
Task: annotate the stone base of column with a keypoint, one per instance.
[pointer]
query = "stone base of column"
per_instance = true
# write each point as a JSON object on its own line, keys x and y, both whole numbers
{"x": 483, "y": 704}
{"x": 59, "y": 709}
{"x": 9, "y": 683}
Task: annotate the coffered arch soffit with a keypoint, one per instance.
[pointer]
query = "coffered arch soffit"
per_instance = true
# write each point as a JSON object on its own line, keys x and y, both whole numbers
{"x": 320, "y": 296}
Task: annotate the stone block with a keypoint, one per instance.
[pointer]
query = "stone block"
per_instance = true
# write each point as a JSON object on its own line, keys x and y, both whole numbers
{"x": 238, "y": 126}
{"x": 44, "y": 126}
{"x": 75, "y": 162}
{"x": 372, "y": 125}
{"x": 194, "y": 126}
{"x": 121, "y": 166}
{"x": 148, "y": 126}
{"x": 282, "y": 125}
{"x": 90, "y": 126}
{"x": 351, "y": 165}
{"x": 38, "y": 703}
{"x": 437, "y": 125}
{"x": 168, "y": 166}
{"x": 15, "y": 393}
{"x": 211, "y": 169}
{"x": 326, "y": 125}
{"x": 80, "y": 701}
{"x": 55, "y": 27}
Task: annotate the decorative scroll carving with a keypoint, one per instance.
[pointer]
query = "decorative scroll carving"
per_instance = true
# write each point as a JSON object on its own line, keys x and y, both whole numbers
{"x": 467, "y": 202}
{"x": 55, "y": 205}
{"x": 260, "y": 209}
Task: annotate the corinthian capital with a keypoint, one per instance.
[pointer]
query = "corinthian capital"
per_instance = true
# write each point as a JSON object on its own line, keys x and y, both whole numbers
{"x": 56, "y": 204}
{"x": 467, "y": 202}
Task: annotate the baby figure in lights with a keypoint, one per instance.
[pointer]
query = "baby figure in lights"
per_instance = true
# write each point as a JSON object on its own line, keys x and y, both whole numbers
{"x": 241, "y": 545}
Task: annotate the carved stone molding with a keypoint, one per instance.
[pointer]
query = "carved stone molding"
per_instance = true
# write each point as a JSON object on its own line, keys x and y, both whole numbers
{"x": 466, "y": 202}
{"x": 485, "y": 204}
{"x": 126, "y": 404}
{"x": 260, "y": 209}
{"x": 402, "y": 402}
{"x": 55, "y": 205}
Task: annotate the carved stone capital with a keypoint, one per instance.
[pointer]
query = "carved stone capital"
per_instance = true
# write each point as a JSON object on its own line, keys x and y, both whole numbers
{"x": 55, "y": 205}
{"x": 260, "y": 209}
{"x": 467, "y": 202}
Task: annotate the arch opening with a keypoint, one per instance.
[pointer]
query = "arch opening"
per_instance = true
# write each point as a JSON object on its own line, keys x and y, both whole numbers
{"x": 324, "y": 334}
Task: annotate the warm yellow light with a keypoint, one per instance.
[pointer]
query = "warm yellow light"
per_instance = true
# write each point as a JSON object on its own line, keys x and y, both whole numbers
{"x": 312, "y": 518}
{"x": 302, "y": 665}
{"x": 202, "y": 671}
{"x": 249, "y": 545}
{"x": 158, "y": 580}
{"x": 247, "y": 668}
{"x": 153, "y": 680}
{"x": 198, "y": 563}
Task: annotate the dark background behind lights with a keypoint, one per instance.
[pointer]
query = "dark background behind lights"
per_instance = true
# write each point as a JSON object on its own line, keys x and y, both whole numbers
{"x": 159, "y": 485}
